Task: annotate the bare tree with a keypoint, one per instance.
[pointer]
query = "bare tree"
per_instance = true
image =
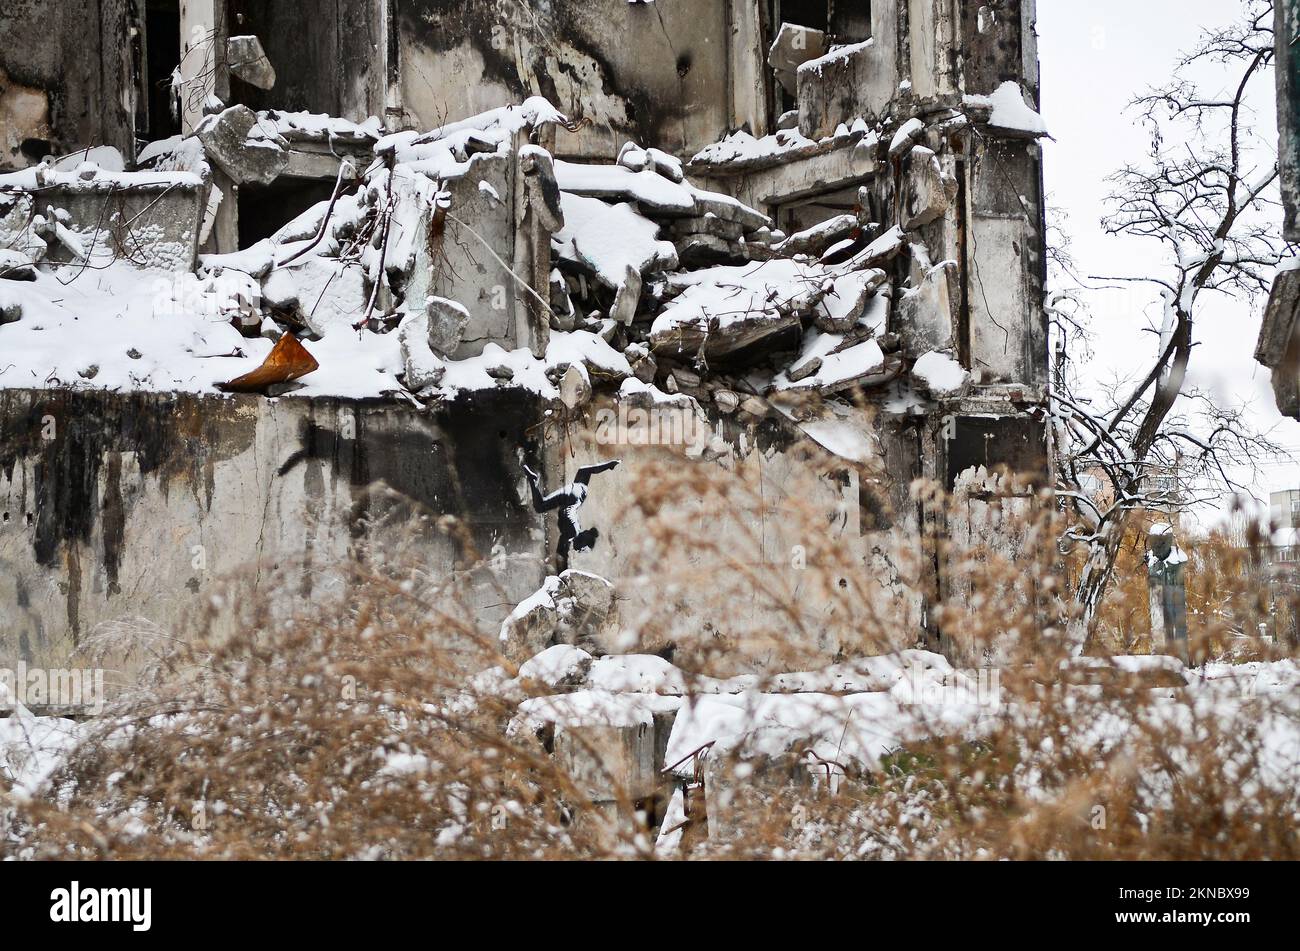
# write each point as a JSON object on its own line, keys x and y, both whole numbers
{"x": 1208, "y": 196}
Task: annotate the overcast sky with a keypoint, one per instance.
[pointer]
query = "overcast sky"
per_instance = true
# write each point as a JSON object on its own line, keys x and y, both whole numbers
{"x": 1096, "y": 56}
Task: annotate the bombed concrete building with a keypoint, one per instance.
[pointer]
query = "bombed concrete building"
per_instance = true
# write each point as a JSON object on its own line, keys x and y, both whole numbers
{"x": 268, "y": 276}
{"x": 1278, "y": 348}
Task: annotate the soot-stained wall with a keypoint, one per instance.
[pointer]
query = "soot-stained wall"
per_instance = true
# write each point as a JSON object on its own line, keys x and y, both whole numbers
{"x": 707, "y": 601}
{"x": 653, "y": 72}
{"x": 65, "y": 78}
{"x": 327, "y": 58}
{"x": 121, "y": 507}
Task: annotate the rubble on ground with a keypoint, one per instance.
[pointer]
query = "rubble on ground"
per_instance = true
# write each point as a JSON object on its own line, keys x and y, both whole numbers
{"x": 637, "y": 728}
{"x": 646, "y": 284}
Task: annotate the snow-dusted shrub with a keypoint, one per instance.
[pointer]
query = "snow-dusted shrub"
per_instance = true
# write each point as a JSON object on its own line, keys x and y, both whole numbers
{"x": 806, "y": 711}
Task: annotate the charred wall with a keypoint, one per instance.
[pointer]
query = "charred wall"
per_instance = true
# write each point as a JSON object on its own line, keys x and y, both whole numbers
{"x": 66, "y": 78}
{"x": 326, "y": 60}
{"x": 121, "y": 507}
{"x": 656, "y": 73}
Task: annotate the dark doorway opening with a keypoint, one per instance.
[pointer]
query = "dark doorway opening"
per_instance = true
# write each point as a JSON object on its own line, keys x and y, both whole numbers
{"x": 265, "y": 209}
{"x": 1016, "y": 443}
{"x": 162, "y": 40}
{"x": 844, "y": 21}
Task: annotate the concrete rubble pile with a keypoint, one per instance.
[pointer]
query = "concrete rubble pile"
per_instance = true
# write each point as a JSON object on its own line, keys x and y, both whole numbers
{"x": 639, "y": 272}
{"x": 832, "y": 236}
{"x": 676, "y": 751}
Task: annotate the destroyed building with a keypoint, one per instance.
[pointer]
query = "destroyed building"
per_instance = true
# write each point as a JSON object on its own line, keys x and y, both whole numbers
{"x": 265, "y": 274}
{"x": 1279, "y": 336}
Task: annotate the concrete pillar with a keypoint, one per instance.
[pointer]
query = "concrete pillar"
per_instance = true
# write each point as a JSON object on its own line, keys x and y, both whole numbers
{"x": 203, "y": 58}
{"x": 748, "y": 73}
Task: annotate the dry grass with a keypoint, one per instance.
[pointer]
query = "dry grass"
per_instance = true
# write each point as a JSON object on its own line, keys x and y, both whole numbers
{"x": 356, "y": 731}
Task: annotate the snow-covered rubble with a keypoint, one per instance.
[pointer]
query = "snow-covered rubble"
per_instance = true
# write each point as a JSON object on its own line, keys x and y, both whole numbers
{"x": 652, "y": 279}
{"x": 1008, "y": 110}
{"x": 31, "y": 747}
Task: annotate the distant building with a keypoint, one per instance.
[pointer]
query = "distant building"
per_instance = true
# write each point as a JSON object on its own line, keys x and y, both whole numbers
{"x": 1284, "y": 517}
{"x": 1281, "y": 563}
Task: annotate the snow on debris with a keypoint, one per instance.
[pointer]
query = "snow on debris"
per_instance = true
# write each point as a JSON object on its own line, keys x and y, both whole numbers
{"x": 556, "y": 664}
{"x": 616, "y": 182}
{"x": 940, "y": 373}
{"x": 741, "y": 150}
{"x": 317, "y": 125}
{"x": 89, "y": 177}
{"x": 835, "y": 56}
{"x": 836, "y": 366}
{"x": 586, "y": 708}
{"x": 860, "y": 727}
{"x": 317, "y": 276}
{"x": 609, "y": 239}
{"x": 728, "y": 293}
{"x": 112, "y": 329}
{"x": 31, "y": 747}
{"x": 1009, "y": 110}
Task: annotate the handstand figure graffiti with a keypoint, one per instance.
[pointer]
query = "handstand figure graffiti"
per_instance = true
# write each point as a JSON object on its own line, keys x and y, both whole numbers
{"x": 568, "y": 500}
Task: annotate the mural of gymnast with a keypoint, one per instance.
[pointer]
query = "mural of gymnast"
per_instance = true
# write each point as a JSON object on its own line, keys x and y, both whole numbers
{"x": 568, "y": 500}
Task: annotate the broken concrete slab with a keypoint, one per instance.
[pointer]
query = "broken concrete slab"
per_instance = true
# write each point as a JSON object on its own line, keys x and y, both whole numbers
{"x": 820, "y": 236}
{"x": 727, "y": 401}
{"x": 706, "y": 224}
{"x": 609, "y": 763}
{"x": 423, "y": 368}
{"x": 940, "y": 376}
{"x": 637, "y": 159}
{"x": 447, "y": 321}
{"x": 627, "y": 297}
{"x": 241, "y": 148}
{"x": 642, "y": 361}
{"x": 705, "y": 250}
{"x": 575, "y": 386}
{"x": 574, "y": 607}
{"x": 729, "y": 209}
{"x": 838, "y": 364}
{"x": 248, "y": 61}
{"x": 802, "y": 371}
{"x": 927, "y": 192}
{"x": 586, "y": 613}
{"x": 725, "y": 311}
{"x": 607, "y": 240}
{"x": 16, "y": 266}
{"x": 530, "y": 628}
{"x": 857, "y": 80}
{"x": 332, "y": 293}
{"x": 794, "y": 45}
{"x": 845, "y": 304}
{"x": 647, "y": 188}
{"x": 716, "y": 340}
{"x": 1144, "y": 671}
{"x": 155, "y": 218}
{"x": 280, "y": 291}
{"x": 560, "y": 665}
{"x": 925, "y": 313}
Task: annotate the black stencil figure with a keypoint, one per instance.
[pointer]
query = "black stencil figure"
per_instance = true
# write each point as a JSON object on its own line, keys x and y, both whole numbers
{"x": 568, "y": 500}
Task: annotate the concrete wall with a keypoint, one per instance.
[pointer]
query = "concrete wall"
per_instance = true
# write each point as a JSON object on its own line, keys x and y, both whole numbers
{"x": 116, "y": 507}
{"x": 861, "y": 84}
{"x": 1286, "y": 25}
{"x": 328, "y": 58}
{"x": 653, "y": 72}
{"x": 65, "y": 78}
{"x": 779, "y": 506}
{"x": 122, "y": 507}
